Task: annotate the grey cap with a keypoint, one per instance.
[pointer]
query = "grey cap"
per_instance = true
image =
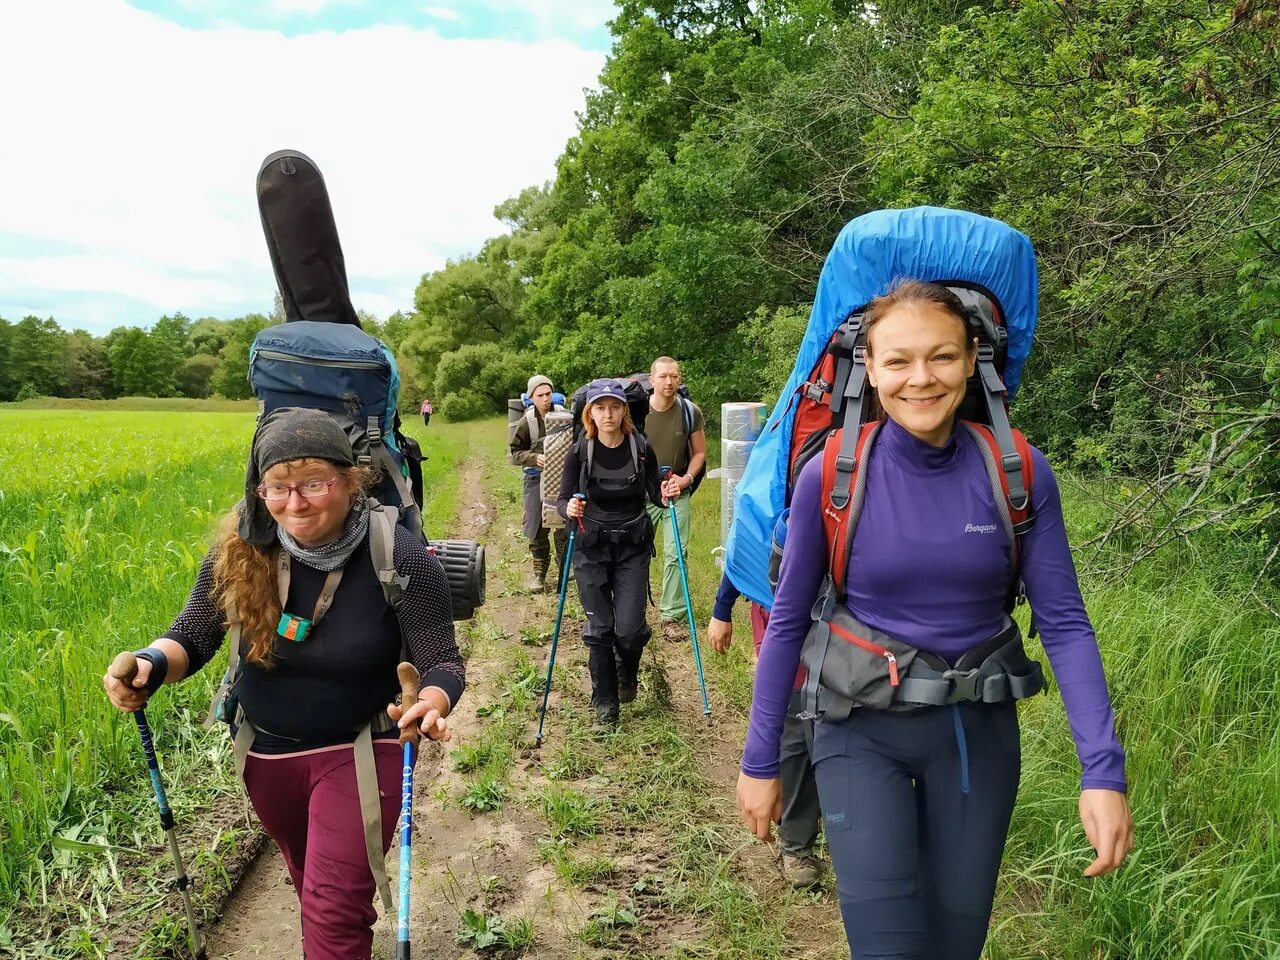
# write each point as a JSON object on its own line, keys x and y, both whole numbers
{"x": 287, "y": 433}
{"x": 535, "y": 382}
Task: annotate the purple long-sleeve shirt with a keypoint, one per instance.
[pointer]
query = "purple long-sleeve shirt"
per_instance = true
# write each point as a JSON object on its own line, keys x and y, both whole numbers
{"x": 930, "y": 565}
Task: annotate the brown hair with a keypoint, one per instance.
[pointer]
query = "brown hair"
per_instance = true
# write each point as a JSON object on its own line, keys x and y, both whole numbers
{"x": 906, "y": 290}
{"x": 244, "y": 576}
{"x": 589, "y": 425}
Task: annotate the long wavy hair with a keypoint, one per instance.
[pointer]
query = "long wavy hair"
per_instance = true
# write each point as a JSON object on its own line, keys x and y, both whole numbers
{"x": 244, "y": 575}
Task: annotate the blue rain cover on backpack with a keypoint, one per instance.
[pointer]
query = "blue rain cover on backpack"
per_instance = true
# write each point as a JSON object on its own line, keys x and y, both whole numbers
{"x": 349, "y": 374}
{"x": 871, "y": 252}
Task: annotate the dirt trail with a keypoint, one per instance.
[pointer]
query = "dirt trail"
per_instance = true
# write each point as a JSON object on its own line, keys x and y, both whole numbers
{"x": 494, "y": 862}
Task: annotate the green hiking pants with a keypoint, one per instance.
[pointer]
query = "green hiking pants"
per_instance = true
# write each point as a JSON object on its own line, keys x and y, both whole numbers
{"x": 671, "y": 605}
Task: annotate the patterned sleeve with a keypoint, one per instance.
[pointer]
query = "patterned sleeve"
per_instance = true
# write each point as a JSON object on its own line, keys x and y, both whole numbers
{"x": 200, "y": 627}
{"x": 426, "y": 617}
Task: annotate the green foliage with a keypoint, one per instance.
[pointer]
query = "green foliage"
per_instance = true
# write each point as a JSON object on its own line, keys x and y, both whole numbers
{"x": 475, "y": 380}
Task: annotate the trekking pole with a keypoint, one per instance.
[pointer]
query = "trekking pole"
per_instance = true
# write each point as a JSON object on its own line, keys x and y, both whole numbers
{"x": 555, "y": 636}
{"x": 124, "y": 668}
{"x": 688, "y": 603}
{"x": 409, "y": 680}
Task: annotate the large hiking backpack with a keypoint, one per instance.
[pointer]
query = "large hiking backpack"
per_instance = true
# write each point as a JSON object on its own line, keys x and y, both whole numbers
{"x": 824, "y": 407}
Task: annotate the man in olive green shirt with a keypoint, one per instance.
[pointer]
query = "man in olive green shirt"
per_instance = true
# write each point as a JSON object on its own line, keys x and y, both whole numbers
{"x": 674, "y": 429}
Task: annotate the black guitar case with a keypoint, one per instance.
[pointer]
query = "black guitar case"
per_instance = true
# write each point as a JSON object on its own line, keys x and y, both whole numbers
{"x": 302, "y": 239}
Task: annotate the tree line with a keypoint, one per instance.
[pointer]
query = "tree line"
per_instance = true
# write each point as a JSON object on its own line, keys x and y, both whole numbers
{"x": 174, "y": 357}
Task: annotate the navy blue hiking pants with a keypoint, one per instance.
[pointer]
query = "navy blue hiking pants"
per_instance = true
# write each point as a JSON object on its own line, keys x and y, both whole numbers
{"x": 916, "y": 809}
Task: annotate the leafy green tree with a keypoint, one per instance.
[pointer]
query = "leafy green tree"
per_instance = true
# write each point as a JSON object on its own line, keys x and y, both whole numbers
{"x": 208, "y": 335}
{"x": 195, "y": 374}
{"x": 8, "y": 390}
{"x": 38, "y": 357}
{"x": 139, "y": 365}
{"x": 477, "y": 379}
{"x": 231, "y": 379}
{"x": 88, "y": 366}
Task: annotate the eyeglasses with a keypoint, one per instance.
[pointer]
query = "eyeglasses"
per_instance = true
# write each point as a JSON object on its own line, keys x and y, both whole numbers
{"x": 310, "y": 489}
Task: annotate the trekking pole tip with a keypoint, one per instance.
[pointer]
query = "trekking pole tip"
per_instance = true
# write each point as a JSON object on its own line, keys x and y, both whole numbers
{"x": 123, "y": 667}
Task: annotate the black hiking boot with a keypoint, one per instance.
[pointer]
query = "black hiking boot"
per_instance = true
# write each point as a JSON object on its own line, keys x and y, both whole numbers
{"x": 628, "y": 673}
{"x": 604, "y": 685}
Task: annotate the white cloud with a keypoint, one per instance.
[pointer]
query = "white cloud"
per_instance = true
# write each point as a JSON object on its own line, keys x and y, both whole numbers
{"x": 135, "y": 142}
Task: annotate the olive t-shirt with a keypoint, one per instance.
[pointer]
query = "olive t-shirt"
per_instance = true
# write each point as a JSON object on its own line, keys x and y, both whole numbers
{"x": 665, "y": 432}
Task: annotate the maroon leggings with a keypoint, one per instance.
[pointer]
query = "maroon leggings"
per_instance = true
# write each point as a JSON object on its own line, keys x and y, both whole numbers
{"x": 309, "y": 805}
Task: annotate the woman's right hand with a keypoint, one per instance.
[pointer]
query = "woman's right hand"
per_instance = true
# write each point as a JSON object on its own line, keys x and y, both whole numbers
{"x": 760, "y": 804}
{"x": 575, "y": 507}
{"x": 720, "y": 633}
{"x": 129, "y": 697}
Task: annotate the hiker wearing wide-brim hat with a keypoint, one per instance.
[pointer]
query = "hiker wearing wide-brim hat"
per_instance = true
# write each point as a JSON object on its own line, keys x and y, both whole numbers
{"x": 291, "y": 572}
{"x": 615, "y": 470}
{"x": 912, "y": 662}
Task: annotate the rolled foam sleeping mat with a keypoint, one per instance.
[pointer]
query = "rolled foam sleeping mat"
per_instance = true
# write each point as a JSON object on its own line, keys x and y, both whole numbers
{"x": 555, "y": 448}
{"x": 742, "y": 421}
{"x": 463, "y": 562}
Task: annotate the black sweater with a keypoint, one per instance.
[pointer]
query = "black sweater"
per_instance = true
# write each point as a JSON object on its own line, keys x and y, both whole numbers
{"x": 610, "y": 506}
{"x": 323, "y": 690}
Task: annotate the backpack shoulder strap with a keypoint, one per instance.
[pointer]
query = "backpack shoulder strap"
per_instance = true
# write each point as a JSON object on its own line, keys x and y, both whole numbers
{"x": 638, "y": 448}
{"x": 839, "y": 520}
{"x": 531, "y": 414}
{"x": 382, "y": 546}
{"x": 1015, "y": 520}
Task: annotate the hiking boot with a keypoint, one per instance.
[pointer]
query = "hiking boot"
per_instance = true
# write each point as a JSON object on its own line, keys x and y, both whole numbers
{"x": 538, "y": 579}
{"x": 802, "y": 870}
{"x": 628, "y": 674}
{"x": 673, "y": 631}
{"x": 604, "y": 685}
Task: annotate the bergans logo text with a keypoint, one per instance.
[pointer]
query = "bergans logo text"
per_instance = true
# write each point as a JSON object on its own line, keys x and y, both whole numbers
{"x": 979, "y": 528}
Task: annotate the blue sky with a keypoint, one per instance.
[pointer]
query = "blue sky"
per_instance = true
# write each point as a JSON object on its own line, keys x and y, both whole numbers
{"x": 126, "y": 172}
{"x": 582, "y": 23}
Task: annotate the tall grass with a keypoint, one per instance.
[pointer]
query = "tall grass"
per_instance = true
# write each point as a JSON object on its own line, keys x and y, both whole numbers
{"x": 104, "y": 518}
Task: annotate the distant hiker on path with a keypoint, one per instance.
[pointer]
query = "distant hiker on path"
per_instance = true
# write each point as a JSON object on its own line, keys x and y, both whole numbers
{"x": 526, "y": 451}
{"x": 918, "y": 756}
{"x": 616, "y": 470}
{"x": 427, "y": 410}
{"x": 317, "y": 644}
{"x": 674, "y": 429}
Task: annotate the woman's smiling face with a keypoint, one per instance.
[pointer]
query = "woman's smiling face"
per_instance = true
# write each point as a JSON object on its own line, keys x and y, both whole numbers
{"x": 919, "y": 360}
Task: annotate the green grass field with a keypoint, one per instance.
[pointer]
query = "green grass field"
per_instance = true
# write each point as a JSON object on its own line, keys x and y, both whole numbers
{"x": 104, "y": 517}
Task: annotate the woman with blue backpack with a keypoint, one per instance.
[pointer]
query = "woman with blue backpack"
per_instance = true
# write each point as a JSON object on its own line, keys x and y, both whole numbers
{"x": 913, "y": 665}
{"x": 324, "y": 595}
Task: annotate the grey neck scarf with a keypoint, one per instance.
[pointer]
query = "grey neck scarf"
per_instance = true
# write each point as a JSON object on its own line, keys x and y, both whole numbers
{"x": 331, "y": 556}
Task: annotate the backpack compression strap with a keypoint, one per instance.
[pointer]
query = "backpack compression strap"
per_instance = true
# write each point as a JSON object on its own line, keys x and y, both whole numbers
{"x": 840, "y": 518}
{"x": 380, "y": 455}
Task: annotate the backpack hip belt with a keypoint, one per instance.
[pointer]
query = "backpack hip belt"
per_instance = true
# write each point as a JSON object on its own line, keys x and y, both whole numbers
{"x": 849, "y": 664}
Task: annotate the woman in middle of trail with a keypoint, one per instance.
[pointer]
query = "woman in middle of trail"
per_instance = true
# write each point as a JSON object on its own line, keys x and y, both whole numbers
{"x": 614, "y": 469}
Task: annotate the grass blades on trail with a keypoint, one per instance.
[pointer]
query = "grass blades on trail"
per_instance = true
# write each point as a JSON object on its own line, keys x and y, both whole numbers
{"x": 105, "y": 515}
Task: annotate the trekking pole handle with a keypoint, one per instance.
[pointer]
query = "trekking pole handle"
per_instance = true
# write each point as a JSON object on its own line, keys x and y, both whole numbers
{"x": 409, "y": 680}
{"x": 583, "y": 498}
{"x": 124, "y": 667}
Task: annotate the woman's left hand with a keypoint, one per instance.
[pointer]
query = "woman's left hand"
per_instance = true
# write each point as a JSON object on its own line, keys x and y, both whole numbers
{"x": 1109, "y": 826}
{"x": 431, "y": 722}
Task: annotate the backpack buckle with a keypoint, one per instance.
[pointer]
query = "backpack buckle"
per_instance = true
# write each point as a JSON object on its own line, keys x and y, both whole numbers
{"x": 965, "y": 684}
